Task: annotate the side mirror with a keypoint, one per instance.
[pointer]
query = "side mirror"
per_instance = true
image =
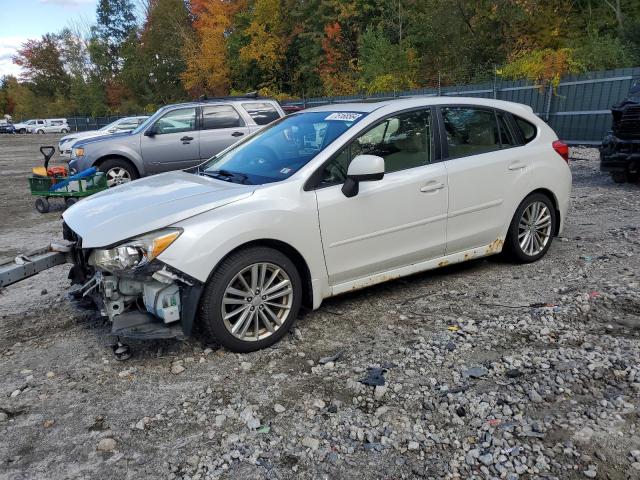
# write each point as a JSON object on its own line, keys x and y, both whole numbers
{"x": 150, "y": 132}
{"x": 363, "y": 168}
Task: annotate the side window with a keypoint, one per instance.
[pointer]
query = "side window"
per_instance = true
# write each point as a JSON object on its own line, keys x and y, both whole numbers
{"x": 527, "y": 129}
{"x": 404, "y": 141}
{"x": 176, "y": 121}
{"x": 470, "y": 131}
{"x": 506, "y": 137}
{"x": 262, "y": 113}
{"x": 220, "y": 116}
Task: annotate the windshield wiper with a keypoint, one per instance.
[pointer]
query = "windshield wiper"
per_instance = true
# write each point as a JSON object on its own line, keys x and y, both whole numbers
{"x": 228, "y": 176}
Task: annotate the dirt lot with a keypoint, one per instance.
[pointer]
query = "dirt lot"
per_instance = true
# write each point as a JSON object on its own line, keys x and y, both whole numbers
{"x": 493, "y": 370}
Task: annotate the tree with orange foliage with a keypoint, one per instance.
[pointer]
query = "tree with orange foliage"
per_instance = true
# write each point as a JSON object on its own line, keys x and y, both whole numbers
{"x": 337, "y": 69}
{"x": 207, "y": 52}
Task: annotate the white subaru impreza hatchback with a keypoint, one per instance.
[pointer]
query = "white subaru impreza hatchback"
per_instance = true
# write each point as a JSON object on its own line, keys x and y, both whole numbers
{"x": 321, "y": 202}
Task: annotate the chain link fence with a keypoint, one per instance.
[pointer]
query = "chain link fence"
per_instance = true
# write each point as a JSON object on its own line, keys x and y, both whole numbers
{"x": 577, "y": 109}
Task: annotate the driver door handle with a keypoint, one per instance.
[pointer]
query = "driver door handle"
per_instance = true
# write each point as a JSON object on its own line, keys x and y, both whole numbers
{"x": 186, "y": 139}
{"x": 431, "y": 187}
{"x": 237, "y": 134}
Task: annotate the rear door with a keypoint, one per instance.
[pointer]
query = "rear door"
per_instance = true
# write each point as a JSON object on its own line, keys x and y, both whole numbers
{"x": 174, "y": 142}
{"x": 480, "y": 166}
{"x": 221, "y": 127}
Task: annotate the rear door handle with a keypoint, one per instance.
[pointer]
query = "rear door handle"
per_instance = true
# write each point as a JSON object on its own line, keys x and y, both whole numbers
{"x": 431, "y": 187}
{"x": 186, "y": 139}
{"x": 517, "y": 166}
{"x": 237, "y": 134}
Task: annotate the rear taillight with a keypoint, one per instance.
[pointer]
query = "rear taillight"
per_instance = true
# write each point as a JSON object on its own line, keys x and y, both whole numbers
{"x": 562, "y": 149}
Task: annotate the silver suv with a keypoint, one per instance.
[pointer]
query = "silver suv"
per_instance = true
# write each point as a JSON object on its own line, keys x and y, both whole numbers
{"x": 175, "y": 137}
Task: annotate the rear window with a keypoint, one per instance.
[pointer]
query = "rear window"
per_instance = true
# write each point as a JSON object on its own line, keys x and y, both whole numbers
{"x": 262, "y": 113}
{"x": 527, "y": 129}
{"x": 220, "y": 116}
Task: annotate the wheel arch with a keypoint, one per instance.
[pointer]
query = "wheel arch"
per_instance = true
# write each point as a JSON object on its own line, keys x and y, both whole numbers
{"x": 288, "y": 250}
{"x": 551, "y": 196}
{"x": 104, "y": 158}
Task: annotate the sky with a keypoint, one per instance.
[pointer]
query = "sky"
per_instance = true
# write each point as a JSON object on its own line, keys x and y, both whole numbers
{"x": 21, "y": 20}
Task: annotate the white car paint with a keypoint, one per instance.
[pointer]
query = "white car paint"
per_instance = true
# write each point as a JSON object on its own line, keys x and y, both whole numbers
{"x": 127, "y": 124}
{"x": 410, "y": 221}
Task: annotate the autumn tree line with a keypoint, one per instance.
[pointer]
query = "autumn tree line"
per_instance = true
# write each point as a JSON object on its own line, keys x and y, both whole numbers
{"x": 141, "y": 54}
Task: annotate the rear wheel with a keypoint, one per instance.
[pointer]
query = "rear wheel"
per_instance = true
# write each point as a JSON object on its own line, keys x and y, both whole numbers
{"x": 252, "y": 300}
{"x": 118, "y": 171}
{"x": 64, "y": 130}
{"x": 619, "y": 177}
{"x": 68, "y": 201}
{"x": 532, "y": 228}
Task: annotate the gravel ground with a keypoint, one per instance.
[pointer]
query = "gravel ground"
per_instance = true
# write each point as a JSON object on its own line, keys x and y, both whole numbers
{"x": 490, "y": 370}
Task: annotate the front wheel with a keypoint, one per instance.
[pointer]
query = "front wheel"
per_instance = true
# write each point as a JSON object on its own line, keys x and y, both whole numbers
{"x": 532, "y": 228}
{"x": 41, "y": 132}
{"x": 252, "y": 300}
{"x": 42, "y": 205}
{"x": 118, "y": 171}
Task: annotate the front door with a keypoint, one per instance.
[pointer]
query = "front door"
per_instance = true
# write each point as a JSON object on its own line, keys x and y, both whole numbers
{"x": 221, "y": 127}
{"x": 174, "y": 142}
{"x": 392, "y": 222}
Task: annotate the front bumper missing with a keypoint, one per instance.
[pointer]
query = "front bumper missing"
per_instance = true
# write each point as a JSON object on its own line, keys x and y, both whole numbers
{"x": 152, "y": 302}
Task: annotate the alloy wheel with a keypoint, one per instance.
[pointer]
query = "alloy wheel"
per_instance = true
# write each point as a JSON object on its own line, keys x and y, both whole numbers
{"x": 534, "y": 228}
{"x": 117, "y": 176}
{"x": 257, "y": 301}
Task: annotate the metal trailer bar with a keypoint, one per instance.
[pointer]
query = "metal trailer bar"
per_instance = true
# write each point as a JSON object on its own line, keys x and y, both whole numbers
{"x": 28, "y": 265}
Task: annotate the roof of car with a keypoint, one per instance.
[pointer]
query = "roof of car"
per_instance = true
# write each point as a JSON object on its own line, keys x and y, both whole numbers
{"x": 408, "y": 102}
{"x": 196, "y": 103}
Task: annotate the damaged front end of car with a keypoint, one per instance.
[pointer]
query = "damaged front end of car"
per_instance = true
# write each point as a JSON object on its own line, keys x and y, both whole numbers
{"x": 142, "y": 297}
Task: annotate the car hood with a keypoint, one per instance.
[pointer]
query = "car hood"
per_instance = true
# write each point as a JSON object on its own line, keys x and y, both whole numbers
{"x": 101, "y": 138}
{"x": 148, "y": 204}
{"x": 81, "y": 135}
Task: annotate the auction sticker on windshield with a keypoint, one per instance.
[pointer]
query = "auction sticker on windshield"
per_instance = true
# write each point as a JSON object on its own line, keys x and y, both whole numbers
{"x": 344, "y": 116}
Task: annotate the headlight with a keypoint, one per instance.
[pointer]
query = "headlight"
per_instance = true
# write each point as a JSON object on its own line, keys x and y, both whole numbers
{"x": 78, "y": 152}
{"x": 134, "y": 253}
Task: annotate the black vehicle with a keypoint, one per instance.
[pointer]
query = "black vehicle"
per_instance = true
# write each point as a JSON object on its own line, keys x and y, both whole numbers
{"x": 620, "y": 149}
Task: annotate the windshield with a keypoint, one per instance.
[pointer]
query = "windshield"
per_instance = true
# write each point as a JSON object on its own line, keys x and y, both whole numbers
{"x": 149, "y": 120}
{"x": 110, "y": 125}
{"x": 282, "y": 148}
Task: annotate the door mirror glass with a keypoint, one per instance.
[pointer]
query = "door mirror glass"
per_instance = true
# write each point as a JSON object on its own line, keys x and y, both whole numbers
{"x": 363, "y": 168}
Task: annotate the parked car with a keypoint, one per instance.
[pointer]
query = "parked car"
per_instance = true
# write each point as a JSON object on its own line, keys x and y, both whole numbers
{"x": 25, "y": 127}
{"x": 50, "y": 125}
{"x": 174, "y": 138}
{"x": 7, "y": 127}
{"x": 121, "y": 125}
{"x": 620, "y": 149}
{"x": 321, "y": 202}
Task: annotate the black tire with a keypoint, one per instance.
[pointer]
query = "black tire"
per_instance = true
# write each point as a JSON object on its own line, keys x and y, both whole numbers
{"x": 68, "y": 201}
{"x": 115, "y": 163}
{"x": 211, "y": 321}
{"x": 619, "y": 177}
{"x": 42, "y": 205}
{"x": 512, "y": 246}
{"x": 64, "y": 130}
{"x": 41, "y": 132}
{"x": 22, "y": 130}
